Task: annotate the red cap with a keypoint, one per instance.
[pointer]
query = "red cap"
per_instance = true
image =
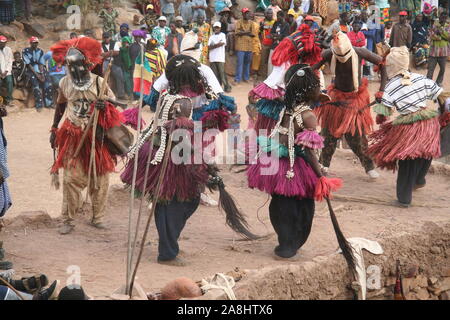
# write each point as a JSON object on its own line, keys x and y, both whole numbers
{"x": 3, "y": 39}
{"x": 33, "y": 39}
{"x": 309, "y": 18}
{"x": 403, "y": 13}
{"x": 245, "y": 10}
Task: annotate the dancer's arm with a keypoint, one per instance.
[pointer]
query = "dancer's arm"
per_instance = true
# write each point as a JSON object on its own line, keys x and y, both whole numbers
{"x": 326, "y": 57}
{"x": 376, "y": 60}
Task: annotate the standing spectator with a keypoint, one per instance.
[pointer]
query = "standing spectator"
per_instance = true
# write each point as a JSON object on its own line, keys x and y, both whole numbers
{"x": 356, "y": 37}
{"x": 401, "y": 34}
{"x": 124, "y": 31}
{"x": 186, "y": 11}
{"x": 285, "y": 5}
{"x": 384, "y": 6}
{"x": 387, "y": 32}
{"x": 135, "y": 50}
{"x": 179, "y": 25}
{"x": 199, "y": 7}
{"x": 244, "y": 46}
{"x": 38, "y": 75}
{"x": 407, "y": 5}
{"x": 265, "y": 29}
{"x": 7, "y": 14}
{"x": 256, "y": 52}
{"x": 168, "y": 9}
{"x": 204, "y": 32}
{"x": 419, "y": 43}
{"x": 6, "y": 62}
{"x": 291, "y": 21}
{"x": 306, "y": 4}
{"x": 127, "y": 65}
{"x": 297, "y": 10}
{"x": 154, "y": 64}
{"x": 216, "y": 46}
{"x": 109, "y": 16}
{"x": 18, "y": 70}
{"x": 56, "y": 72}
{"x": 161, "y": 31}
{"x": 23, "y": 9}
{"x": 368, "y": 30}
{"x": 228, "y": 28}
{"x": 440, "y": 48}
{"x": 110, "y": 54}
{"x": 173, "y": 42}
{"x": 280, "y": 30}
{"x": 275, "y": 8}
{"x": 220, "y": 5}
{"x": 341, "y": 24}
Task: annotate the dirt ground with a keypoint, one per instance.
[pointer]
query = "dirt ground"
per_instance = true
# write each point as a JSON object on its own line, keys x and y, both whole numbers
{"x": 206, "y": 243}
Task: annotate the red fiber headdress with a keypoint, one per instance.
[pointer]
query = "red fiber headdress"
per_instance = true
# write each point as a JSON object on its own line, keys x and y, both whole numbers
{"x": 90, "y": 48}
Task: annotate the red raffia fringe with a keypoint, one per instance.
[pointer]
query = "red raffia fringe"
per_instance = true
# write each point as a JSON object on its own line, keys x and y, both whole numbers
{"x": 325, "y": 186}
{"x": 284, "y": 52}
{"x": 353, "y": 117}
{"x": 391, "y": 143}
{"x": 444, "y": 119}
{"x": 69, "y": 136}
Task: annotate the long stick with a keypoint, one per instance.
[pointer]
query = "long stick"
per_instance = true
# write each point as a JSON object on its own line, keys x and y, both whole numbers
{"x": 92, "y": 162}
{"x": 154, "y": 202}
{"x": 133, "y": 183}
{"x": 12, "y": 288}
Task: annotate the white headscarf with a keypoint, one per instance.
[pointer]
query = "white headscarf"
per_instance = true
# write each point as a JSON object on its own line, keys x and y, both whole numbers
{"x": 189, "y": 41}
{"x": 397, "y": 62}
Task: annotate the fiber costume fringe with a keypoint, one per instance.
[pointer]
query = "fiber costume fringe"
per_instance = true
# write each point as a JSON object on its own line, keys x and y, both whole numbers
{"x": 69, "y": 136}
{"x": 413, "y": 136}
{"x": 347, "y": 113}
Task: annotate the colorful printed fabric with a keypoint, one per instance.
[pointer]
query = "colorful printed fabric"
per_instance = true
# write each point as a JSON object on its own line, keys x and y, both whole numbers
{"x": 204, "y": 32}
{"x": 440, "y": 43}
{"x": 5, "y": 198}
{"x": 160, "y": 34}
{"x": 154, "y": 66}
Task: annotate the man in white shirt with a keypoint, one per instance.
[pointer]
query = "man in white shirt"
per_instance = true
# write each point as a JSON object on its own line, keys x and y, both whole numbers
{"x": 216, "y": 46}
{"x": 6, "y": 61}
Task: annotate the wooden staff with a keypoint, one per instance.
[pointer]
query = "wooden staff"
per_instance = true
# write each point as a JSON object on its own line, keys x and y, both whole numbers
{"x": 91, "y": 119}
{"x": 154, "y": 202}
{"x": 130, "y": 251}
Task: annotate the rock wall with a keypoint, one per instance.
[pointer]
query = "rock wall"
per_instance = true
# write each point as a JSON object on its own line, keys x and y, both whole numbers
{"x": 425, "y": 264}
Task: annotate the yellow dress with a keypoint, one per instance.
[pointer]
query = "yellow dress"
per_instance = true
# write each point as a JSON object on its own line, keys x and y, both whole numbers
{"x": 204, "y": 32}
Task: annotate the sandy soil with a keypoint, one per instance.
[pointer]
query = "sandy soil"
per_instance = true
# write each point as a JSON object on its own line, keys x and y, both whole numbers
{"x": 207, "y": 244}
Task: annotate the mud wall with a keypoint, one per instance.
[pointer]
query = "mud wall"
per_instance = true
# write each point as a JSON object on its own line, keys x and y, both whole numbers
{"x": 425, "y": 264}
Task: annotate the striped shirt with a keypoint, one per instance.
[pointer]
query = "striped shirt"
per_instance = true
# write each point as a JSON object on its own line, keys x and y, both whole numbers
{"x": 412, "y": 98}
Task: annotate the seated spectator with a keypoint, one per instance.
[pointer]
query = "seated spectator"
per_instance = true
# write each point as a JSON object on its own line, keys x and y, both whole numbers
{"x": 109, "y": 16}
{"x": 150, "y": 18}
{"x": 216, "y": 46}
{"x": 56, "y": 72}
{"x": 173, "y": 42}
{"x": 38, "y": 75}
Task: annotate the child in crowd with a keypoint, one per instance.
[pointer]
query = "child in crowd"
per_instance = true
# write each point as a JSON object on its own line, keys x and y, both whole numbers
{"x": 18, "y": 70}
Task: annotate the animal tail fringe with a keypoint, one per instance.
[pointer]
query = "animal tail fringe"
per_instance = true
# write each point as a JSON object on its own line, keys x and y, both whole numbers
{"x": 343, "y": 243}
{"x": 235, "y": 219}
{"x": 55, "y": 180}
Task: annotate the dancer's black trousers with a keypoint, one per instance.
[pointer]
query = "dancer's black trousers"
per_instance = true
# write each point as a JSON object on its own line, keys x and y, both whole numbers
{"x": 410, "y": 174}
{"x": 292, "y": 220}
{"x": 170, "y": 219}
